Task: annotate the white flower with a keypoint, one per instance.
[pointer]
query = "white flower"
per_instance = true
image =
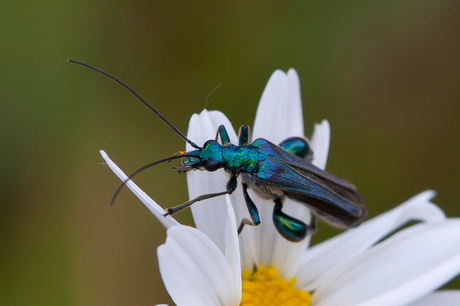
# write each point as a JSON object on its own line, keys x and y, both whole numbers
{"x": 203, "y": 266}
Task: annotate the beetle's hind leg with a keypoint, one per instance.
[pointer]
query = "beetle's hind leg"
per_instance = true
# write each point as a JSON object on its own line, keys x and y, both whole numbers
{"x": 253, "y": 211}
{"x": 298, "y": 146}
{"x": 291, "y": 228}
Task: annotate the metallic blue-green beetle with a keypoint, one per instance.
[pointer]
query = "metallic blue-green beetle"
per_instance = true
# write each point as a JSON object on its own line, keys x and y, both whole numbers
{"x": 275, "y": 172}
{"x": 272, "y": 171}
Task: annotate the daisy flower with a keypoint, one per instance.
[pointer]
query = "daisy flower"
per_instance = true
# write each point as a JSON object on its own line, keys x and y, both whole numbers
{"x": 212, "y": 265}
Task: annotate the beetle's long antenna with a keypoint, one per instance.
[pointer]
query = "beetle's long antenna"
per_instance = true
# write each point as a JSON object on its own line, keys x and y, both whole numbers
{"x": 210, "y": 93}
{"x": 142, "y": 169}
{"x": 138, "y": 97}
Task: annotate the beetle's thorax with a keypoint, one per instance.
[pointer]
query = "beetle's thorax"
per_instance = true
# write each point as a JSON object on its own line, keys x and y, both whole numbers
{"x": 239, "y": 159}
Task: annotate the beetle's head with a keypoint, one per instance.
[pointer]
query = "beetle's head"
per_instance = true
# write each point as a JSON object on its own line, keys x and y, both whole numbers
{"x": 208, "y": 158}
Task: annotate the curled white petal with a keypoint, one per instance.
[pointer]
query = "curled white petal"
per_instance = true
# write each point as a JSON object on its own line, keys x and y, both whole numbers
{"x": 156, "y": 209}
{"x": 323, "y": 261}
{"x": 195, "y": 271}
{"x": 405, "y": 267}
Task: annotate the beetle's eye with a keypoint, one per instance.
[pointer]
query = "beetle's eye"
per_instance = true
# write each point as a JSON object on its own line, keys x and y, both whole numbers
{"x": 212, "y": 165}
{"x": 208, "y": 142}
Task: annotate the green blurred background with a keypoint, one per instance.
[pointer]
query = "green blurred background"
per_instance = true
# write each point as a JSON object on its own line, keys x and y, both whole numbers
{"x": 385, "y": 74}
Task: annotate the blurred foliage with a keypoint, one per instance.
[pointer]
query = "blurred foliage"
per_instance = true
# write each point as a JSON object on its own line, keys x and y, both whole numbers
{"x": 384, "y": 73}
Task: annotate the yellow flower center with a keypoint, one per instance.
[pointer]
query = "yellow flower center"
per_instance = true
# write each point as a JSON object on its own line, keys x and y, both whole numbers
{"x": 265, "y": 287}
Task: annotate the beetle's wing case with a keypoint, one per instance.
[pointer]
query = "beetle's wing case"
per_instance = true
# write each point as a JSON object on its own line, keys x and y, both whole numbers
{"x": 283, "y": 174}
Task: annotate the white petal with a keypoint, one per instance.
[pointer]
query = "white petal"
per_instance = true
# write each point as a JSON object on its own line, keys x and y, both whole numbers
{"x": 294, "y": 105}
{"x": 322, "y": 261}
{"x": 279, "y": 114}
{"x": 320, "y": 143}
{"x": 218, "y": 118}
{"x": 156, "y": 209}
{"x": 278, "y": 117}
{"x": 209, "y": 215}
{"x": 237, "y": 199}
{"x": 400, "y": 270}
{"x": 270, "y": 247}
{"x": 195, "y": 271}
{"x": 232, "y": 250}
{"x": 443, "y": 297}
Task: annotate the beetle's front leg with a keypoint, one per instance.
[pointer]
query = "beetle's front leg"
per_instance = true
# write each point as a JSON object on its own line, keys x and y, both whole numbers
{"x": 222, "y": 132}
{"x": 231, "y": 186}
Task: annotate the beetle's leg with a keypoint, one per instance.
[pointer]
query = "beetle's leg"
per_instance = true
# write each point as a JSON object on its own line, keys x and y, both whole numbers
{"x": 298, "y": 146}
{"x": 243, "y": 136}
{"x": 290, "y": 228}
{"x": 222, "y": 132}
{"x": 253, "y": 211}
{"x": 231, "y": 186}
{"x": 312, "y": 225}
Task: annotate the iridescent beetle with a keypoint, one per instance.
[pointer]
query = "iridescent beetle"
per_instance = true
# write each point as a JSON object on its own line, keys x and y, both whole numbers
{"x": 273, "y": 172}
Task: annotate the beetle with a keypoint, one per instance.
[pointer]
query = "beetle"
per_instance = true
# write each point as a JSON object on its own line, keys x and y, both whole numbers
{"x": 272, "y": 171}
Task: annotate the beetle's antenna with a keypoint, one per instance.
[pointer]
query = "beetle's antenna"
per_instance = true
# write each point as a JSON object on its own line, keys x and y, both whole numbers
{"x": 138, "y": 97}
{"x": 210, "y": 93}
{"x": 123, "y": 184}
